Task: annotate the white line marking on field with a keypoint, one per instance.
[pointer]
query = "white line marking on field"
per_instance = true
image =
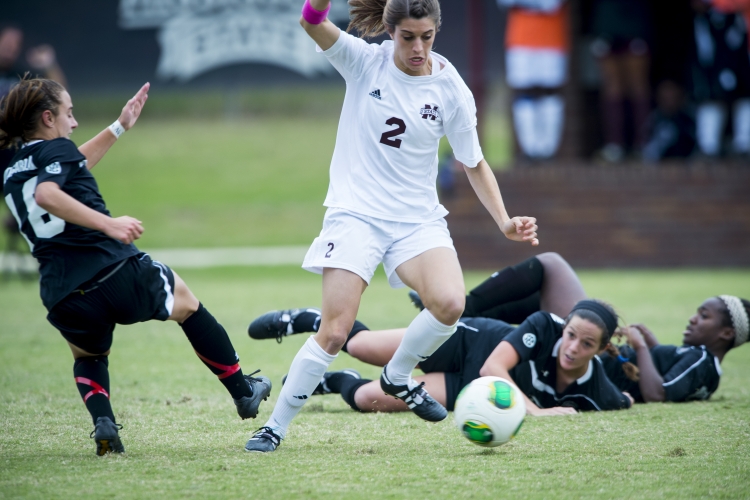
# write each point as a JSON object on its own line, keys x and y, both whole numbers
{"x": 195, "y": 258}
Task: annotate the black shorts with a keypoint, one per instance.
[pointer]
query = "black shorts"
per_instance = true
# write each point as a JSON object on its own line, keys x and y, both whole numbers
{"x": 139, "y": 290}
{"x": 462, "y": 356}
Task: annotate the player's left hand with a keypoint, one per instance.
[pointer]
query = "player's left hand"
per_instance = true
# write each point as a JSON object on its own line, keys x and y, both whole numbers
{"x": 633, "y": 336}
{"x": 133, "y": 107}
{"x": 521, "y": 229}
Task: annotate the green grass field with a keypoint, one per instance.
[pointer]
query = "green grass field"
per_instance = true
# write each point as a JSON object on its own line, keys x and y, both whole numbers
{"x": 207, "y": 181}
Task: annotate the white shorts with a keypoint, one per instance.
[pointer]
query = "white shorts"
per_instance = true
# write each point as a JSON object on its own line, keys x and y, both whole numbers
{"x": 526, "y": 67}
{"x": 358, "y": 243}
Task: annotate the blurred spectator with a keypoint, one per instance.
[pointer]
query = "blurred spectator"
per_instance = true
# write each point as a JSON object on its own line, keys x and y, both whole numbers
{"x": 536, "y": 54}
{"x": 40, "y": 61}
{"x": 721, "y": 74}
{"x": 622, "y": 30}
{"x": 671, "y": 128}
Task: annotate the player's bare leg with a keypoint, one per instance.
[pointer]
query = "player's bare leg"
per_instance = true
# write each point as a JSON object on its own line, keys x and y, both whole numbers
{"x": 342, "y": 291}
{"x": 436, "y": 276}
{"x": 561, "y": 288}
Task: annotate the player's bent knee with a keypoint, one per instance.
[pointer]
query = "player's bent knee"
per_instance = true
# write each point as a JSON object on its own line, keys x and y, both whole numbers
{"x": 449, "y": 309}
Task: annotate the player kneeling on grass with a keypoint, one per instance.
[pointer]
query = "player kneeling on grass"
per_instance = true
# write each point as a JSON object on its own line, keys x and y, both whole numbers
{"x": 92, "y": 276}
{"x": 552, "y": 361}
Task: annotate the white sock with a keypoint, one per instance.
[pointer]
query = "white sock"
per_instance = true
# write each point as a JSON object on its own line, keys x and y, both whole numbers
{"x": 709, "y": 127}
{"x": 422, "y": 338}
{"x": 741, "y": 122}
{"x": 308, "y": 367}
{"x": 550, "y": 111}
{"x": 525, "y": 126}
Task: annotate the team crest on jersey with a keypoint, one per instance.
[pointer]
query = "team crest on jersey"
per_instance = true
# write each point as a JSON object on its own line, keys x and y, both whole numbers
{"x": 430, "y": 112}
{"x": 529, "y": 340}
{"x": 54, "y": 168}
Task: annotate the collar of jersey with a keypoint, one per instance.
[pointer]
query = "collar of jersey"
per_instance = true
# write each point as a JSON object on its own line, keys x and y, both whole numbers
{"x": 30, "y": 143}
{"x": 586, "y": 376}
{"x": 388, "y": 44}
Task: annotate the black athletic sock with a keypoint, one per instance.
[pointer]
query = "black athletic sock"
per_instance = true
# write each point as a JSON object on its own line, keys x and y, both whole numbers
{"x": 349, "y": 387}
{"x": 213, "y": 347}
{"x": 92, "y": 379}
{"x": 306, "y": 321}
{"x": 507, "y": 285}
{"x": 358, "y": 327}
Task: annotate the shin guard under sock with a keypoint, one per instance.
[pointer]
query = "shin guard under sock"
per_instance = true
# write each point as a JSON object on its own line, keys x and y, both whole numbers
{"x": 349, "y": 388}
{"x": 507, "y": 285}
{"x": 213, "y": 347}
{"x": 358, "y": 327}
{"x": 92, "y": 379}
{"x": 308, "y": 367}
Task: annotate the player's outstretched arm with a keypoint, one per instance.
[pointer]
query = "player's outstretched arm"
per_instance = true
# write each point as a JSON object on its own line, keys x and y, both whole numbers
{"x": 499, "y": 364}
{"x": 97, "y": 147}
{"x": 54, "y": 200}
{"x": 326, "y": 33}
{"x": 650, "y": 381}
{"x": 485, "y": 185}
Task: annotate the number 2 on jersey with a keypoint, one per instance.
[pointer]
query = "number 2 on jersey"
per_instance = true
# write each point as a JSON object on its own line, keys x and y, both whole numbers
{"x": 387, "y": 137}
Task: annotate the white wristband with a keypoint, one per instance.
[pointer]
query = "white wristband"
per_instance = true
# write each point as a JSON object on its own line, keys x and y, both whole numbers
{"x": 117, "y": 129}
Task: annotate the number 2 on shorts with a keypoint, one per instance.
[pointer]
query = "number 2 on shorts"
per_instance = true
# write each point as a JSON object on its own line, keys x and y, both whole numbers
{"x": 330, "y": 249}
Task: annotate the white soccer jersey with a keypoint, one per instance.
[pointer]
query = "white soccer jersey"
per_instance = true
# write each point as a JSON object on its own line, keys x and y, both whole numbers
{"x": 385, "y": 161}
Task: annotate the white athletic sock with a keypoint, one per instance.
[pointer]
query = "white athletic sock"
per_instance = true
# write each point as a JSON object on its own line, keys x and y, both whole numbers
{"x": 709, "y": 127}
{"x": 422, "y": 338}
{"x": 741, "y": 123}
{"x": 550, "y": 111}
{"x": 524, "y": 123}
{"x": 308, "y": 367}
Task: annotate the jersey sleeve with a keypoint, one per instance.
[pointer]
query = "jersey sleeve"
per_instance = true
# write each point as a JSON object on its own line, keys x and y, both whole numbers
{"x": 609, "y": 396}
{"x": 534, "y": 338}
{"x": 57, "y": 160}
{"x": 461, "y": 128}
{"x": 686, "y": 377}
{"x": 350, "y": 55}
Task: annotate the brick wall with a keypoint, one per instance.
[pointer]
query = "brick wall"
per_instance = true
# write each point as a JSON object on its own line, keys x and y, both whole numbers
{"x": 625, "y": 216}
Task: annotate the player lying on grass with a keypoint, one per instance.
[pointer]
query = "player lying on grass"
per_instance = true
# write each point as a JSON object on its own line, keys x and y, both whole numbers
{"x": 667, "y": 372}
{"x": 92, "y": 277}
{"x": 552, "y": 361}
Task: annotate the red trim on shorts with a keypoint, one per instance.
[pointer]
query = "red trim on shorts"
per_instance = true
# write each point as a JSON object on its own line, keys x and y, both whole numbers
{"x": 229, "y": 370}
{"x": 97, "y": 389}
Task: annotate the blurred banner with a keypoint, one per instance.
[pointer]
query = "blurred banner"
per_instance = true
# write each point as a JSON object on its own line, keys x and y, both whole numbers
{"x": 200, "y": 35}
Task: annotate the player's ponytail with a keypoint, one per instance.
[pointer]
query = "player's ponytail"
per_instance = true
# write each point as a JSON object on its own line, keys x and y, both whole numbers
{"x": 22, "y": 108}
{"x": 375, "y": 17}
{"x": 631, "y": 371}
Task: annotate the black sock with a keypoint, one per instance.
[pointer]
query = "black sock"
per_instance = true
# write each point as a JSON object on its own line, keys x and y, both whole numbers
{"x": 212, "y": 345}
{"x": 358, "y": 327}
{"x": 306, "y": 321}
{"x": 92, "y": 379}
{"x": 349, "y": 387}
{"x": 507, "y": 285}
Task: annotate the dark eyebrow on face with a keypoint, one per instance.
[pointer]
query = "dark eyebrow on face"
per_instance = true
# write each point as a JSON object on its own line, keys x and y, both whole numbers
{"x": 411, "y": 32}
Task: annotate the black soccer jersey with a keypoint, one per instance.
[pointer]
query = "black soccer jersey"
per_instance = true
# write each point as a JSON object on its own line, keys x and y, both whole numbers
{"x": 537, "y": 341}
{"x": 689, "y": 373}
{"x": 68, "y": 254}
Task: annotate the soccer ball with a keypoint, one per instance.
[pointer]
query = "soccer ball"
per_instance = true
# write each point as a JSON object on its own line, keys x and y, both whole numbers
{"x": 489, "y": 411}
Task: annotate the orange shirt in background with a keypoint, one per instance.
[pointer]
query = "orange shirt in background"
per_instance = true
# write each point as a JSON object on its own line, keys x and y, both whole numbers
{"x": 538, "y": 30}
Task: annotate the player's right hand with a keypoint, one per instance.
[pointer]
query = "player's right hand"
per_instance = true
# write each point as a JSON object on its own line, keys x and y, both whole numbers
{"x": 124, "y": 229}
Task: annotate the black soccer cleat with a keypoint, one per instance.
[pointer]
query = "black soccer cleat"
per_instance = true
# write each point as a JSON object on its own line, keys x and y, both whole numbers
{"x": 417, "y": 399}
{"x": 106, "y": 437}
{"x": 263, "y": 441}
{"x": 276, "y": 324}
{"x": 416, "y": 300}
{"x": 330, "y": 382}
{"x": 247, "y": 406}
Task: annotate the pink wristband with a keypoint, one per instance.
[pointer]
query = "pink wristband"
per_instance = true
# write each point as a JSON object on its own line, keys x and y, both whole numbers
{"x": 313, "y": 15}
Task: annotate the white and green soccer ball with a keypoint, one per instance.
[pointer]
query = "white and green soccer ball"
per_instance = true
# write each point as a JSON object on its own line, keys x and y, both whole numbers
{"x": 489, "y": 411}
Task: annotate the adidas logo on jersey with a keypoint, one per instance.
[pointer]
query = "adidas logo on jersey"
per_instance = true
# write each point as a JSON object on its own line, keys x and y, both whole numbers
{"x": 376, "y": 94}
{"x": 429, "y": 112}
